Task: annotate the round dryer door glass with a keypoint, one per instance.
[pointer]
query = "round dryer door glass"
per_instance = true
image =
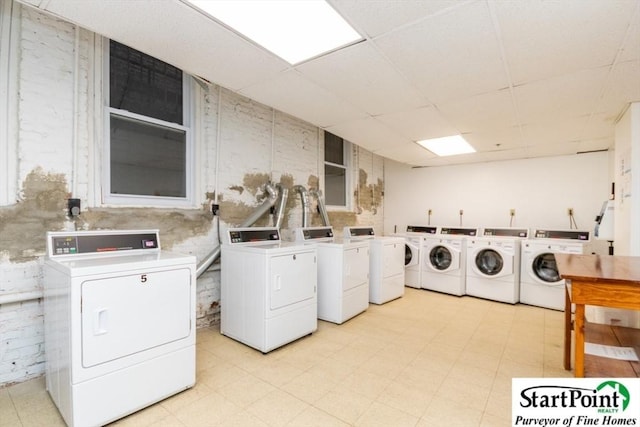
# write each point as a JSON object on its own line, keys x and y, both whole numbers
{"x": 440, "y": 258}
{"x": 489, "y": 262}
{"x": 545, "y": 268}
{"x": 408, "y": 255}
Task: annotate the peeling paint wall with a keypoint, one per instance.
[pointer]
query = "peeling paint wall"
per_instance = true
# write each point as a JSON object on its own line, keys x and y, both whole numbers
{"x": 240, "y": 146}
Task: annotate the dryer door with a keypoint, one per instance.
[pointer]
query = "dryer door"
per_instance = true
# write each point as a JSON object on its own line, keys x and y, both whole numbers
{"x": 293, "y": 278}
{"x": 443, "y": 258}
{"x": 126, "y": 314}
{"x": 544, "y": 270}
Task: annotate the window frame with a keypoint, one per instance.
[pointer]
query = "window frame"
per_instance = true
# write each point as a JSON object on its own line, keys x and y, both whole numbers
{"x": 9, "y": 59}
{"x": 188, "y": 108}
{"x": 347, "y": 157}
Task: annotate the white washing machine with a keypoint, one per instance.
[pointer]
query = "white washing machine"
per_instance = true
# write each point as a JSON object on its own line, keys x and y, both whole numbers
{"x": 343, "y": 273}
{"x": 493, "y": 264}
{"x": 268, "y": 290}
{"x": 386, "y": 263}
{"x": 444, "y": 255}
{"x": 119, "y": 318}
{"x": 413, "y": 253}
{"x": 540, "y": 282}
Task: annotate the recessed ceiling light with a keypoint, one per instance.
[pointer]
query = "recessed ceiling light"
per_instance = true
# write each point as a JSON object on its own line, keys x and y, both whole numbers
{"x": 293, "y": 30}
{"x": 447, "y": 146}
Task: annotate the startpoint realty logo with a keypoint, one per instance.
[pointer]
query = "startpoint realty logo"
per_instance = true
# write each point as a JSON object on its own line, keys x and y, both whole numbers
{"x": 575, "y": 402}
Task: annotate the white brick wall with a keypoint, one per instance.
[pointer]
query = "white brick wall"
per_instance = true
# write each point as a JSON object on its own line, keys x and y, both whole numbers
{"x": 60, "y": 131}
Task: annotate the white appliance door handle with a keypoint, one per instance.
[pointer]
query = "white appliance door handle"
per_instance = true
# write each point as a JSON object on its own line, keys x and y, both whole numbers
{"x": 277, "y": 282}
{"x": 101, "y": 321}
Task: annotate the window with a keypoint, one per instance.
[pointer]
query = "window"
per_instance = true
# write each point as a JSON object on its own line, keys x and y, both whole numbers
{"x": 149, "y": 148}
{"x": 336, "y": 156}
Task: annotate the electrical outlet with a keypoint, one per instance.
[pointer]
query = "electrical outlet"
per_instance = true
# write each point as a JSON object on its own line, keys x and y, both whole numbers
{"x": 570, "y": 211}
{"x": 73, "y": 207}
{"x": 512, "y": 212}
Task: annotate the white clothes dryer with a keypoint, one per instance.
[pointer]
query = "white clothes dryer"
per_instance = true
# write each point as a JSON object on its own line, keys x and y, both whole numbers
{"x": 540, "y": 282}
{"x": 119, "y": 327}
{"x": 343, "y": 273}
{"x": 268, "y": 288}
{"x": 493, "y": 264}
{"x": 386, "y": 263}
{"x": 413, "y": 253}
{"x": 444, "y": 256}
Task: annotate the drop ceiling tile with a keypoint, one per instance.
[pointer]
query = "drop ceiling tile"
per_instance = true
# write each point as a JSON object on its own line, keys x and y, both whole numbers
{"x": 293, "y": 94}
{"x": 505, "y": 154}
{"x": 555, "y": 132}
{"x": 631, "y": 48}
{"x": 377, "y": 17}
{"x": 601, "y": 125}
{"x": 547, "y": 150}
{"x": 368, "y": 133}
{"x": 480, "y": 112}
{"x": 454, "y": 56}
{"x": 408, "y": 152}
{"x": 194, "y": 42}
{"x": 365, "y": 78}
{"x": 623, "y": 87}
{"x": 546, "y": 38}
{"x": 496, "y": 139}
{"x": 568, "y": 95}
{"x": 422, "y": 123}
{"x": 596, "y": 145}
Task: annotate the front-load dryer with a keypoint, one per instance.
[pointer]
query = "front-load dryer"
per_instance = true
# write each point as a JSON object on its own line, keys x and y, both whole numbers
{"x": 444, "y": 255}
{"x": 540, "y": 282}
{"x": 413, "y": 253}
{"x": 268, "y": 288}
{"x": 343, "y": 273}
{"x": 386, "y": 263}
{"x": 493, "y": 264}
{"x": 119, "y": 323}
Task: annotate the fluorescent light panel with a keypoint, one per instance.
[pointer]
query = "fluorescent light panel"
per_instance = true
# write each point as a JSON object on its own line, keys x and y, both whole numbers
{"x": 293, "y": 30}
{"x": 447, "y": 146}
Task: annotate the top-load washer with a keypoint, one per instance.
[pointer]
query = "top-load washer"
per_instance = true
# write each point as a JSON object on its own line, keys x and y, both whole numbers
{"x": 413, "y": 253}
{"x": 540, "y": 282}
{"x": 343, "y": 273}
{"x": 268, "y": 290}
{"x": 386, "y": 263}
{"x": 119, "y": 323}
{"x": 444, "y": 256}
{"x": 493, "y": 264}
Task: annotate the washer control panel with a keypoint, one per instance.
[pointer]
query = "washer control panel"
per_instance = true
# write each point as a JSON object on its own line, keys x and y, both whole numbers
{"x": 507, "y": 232}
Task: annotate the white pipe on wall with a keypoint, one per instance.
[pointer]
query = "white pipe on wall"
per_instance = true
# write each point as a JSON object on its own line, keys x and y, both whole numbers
{"x": 18, "y": 297}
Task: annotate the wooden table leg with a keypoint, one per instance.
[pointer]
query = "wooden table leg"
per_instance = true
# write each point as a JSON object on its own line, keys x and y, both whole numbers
{"x": 579, "y": 336}
{"x": 567, "y": 329}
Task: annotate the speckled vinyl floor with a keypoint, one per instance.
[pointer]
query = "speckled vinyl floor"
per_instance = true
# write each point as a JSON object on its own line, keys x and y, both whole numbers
{"x": 426, "y": 359}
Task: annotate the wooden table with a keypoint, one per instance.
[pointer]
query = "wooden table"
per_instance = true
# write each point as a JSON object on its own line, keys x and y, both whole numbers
{"x": 608, "y": 281}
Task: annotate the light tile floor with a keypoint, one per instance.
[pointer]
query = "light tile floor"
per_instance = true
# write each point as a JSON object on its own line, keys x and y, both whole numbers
{"x": 426, "y": 359}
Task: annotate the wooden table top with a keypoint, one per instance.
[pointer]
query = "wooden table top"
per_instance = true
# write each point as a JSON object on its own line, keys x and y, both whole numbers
{"x": 596, "y": 268}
